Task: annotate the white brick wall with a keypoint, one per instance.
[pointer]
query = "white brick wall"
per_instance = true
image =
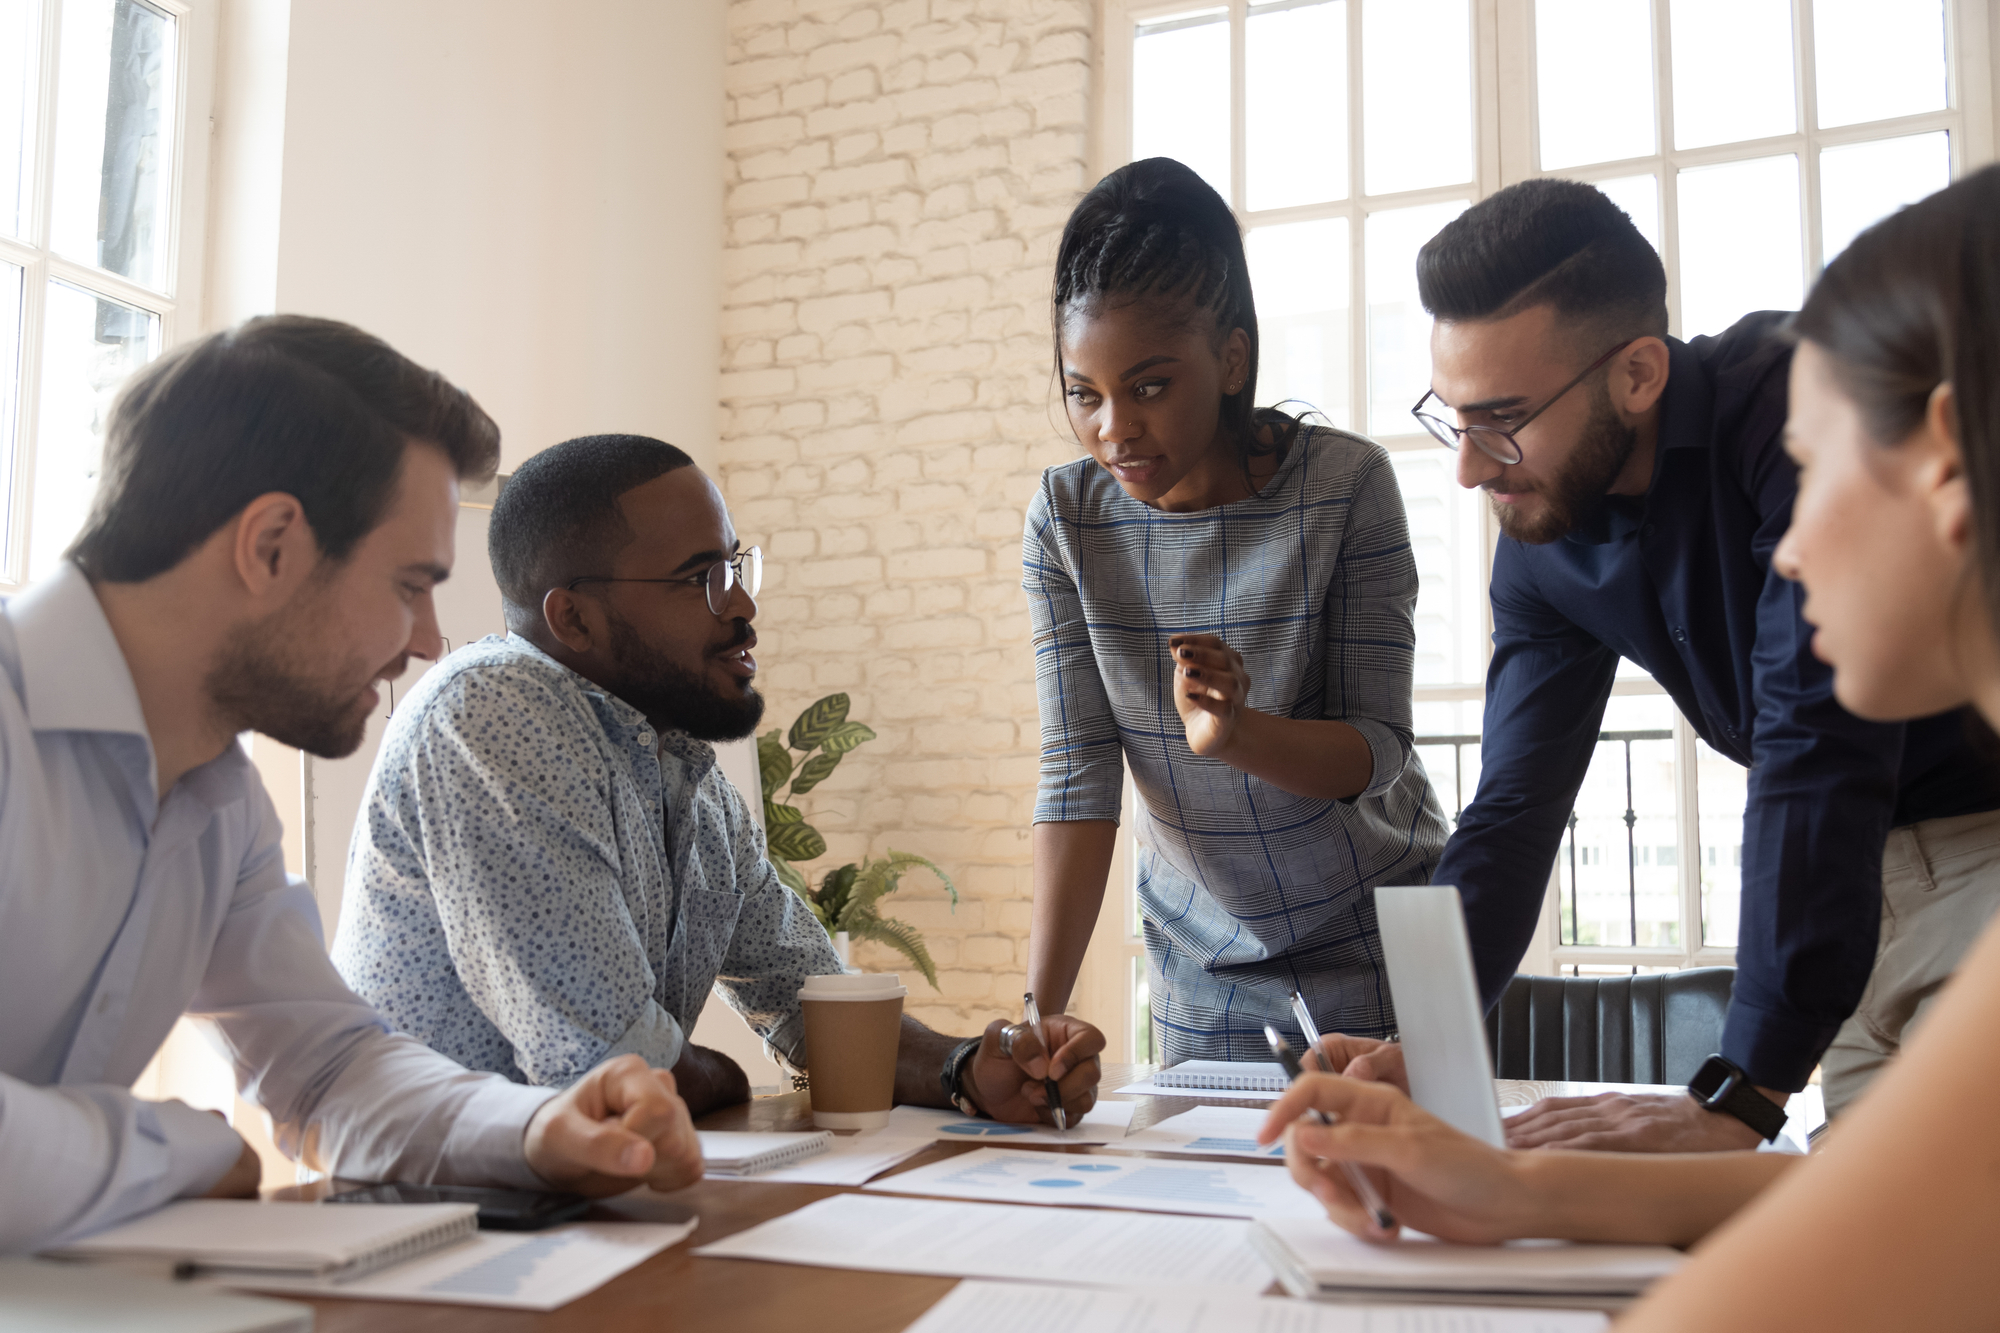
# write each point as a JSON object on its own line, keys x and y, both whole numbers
{"x": 899, "y": 171}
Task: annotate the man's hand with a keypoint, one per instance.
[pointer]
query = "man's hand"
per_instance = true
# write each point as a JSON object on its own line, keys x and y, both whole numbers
{"x": 618, "y": 1126}
{"x": 1631, "y": 1122}
{"x": 1210, "y": 685}
{"x": 707, "y": 1079}
{"x": 1363, "y": 1058}
{"x": 241, "y": 1180}
{"x": 1009, "y": 1087}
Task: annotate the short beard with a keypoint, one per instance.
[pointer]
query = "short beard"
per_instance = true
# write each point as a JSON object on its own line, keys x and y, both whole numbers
{"x": 674, "y": 698}
{"x": 1575, "y": 496}
{"x": 271, "y": 677}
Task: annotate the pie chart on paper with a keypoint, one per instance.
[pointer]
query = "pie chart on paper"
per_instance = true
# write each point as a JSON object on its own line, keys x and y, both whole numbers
{"x": 974, "y": 1129}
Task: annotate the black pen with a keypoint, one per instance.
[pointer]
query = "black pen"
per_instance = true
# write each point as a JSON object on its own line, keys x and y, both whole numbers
{"x": 1033, "y": 1018}
{"x": 1364, "y": 1188}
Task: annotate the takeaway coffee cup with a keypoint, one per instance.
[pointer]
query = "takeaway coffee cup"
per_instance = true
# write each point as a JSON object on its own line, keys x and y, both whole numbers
{"x": 853, "y": 1024}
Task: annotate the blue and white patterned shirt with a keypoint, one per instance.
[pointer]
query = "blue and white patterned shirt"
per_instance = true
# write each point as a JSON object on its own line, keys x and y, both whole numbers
{"x": 539, "y": 882}
{"x": 1247, "y": 890}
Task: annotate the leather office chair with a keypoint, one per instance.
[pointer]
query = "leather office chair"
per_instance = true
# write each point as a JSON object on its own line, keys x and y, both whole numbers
{"x": 1654, "y": 1029}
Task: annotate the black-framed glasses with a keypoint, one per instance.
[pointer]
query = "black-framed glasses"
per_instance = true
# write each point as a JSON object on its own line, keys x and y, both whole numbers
{"x": 1498, "y": 442}
{"x": 745, "y": 567}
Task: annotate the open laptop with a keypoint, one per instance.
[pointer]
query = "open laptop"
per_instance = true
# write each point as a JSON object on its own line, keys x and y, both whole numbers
{"x": 1437, "y": 1007}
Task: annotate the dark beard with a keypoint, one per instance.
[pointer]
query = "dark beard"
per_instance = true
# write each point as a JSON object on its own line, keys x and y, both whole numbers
{"x": 675, "y": 699}
{"x": 1575, "y": 497}
{"x": 261, "y": 682}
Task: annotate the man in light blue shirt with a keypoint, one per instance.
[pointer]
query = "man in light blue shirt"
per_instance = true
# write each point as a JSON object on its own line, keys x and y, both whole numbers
{"x": 276, "y": 505}
{"x": 550, "y": 869}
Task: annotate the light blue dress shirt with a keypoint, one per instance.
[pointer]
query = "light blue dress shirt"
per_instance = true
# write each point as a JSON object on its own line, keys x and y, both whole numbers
{"x": 539, "y": 881}
{"x": 119, "y": 911}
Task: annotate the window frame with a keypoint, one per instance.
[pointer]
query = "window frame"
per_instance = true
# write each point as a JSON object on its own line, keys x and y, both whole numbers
{"x": 1505, "y": 150}
{"x": 178, "y": 308}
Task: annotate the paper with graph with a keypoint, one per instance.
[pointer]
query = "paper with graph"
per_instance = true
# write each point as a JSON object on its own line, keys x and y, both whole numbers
{"x": 521, "y": 1270}
{"x": 1206, "y": 1131}
{"x": 1217, "y": 1189}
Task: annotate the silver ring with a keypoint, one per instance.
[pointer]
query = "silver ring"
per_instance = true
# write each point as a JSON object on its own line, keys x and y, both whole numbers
{"x": 1007, "y": 1034}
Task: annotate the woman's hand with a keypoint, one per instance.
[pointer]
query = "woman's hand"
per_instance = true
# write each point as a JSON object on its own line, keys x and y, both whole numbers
{"x": 1434, "y": 1178}
{"x": 1210, "y": 685}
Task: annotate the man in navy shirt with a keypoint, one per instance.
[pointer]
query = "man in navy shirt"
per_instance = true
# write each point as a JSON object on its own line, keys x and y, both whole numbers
{"x": 1640, "y": 486}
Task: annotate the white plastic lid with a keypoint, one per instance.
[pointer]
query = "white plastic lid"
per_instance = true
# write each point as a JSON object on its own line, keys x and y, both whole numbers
{"x": 854, "y": 986}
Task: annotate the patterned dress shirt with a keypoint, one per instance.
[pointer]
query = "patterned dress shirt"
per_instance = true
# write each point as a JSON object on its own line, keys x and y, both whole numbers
{"x": 1247, "y": 891}
{"x": 539, "y": 882}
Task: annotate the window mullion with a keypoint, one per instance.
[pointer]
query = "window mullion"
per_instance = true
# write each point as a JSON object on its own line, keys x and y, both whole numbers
{"x": 1357, "y": 234}
{"x": 1239, "y": 96}
{"x": 1806, "y": 78}
{"x": 1670, "y": 210}
{"x": 1687, "y": 824}
{"x": 27, "y": 409}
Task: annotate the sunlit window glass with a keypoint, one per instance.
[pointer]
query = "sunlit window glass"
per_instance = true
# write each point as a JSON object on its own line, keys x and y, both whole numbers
{"x": 11, "y": 280}
{"x": 89, "y": 346}
{"x": 1618, "y": 870}
{"x": 1399, "y": 332}
{"x": 1740, "y": 242}
{"x": 1732, "y": 71}
{"x": 1416, "y": 94}
{"x": 1722, "y": 787}
{"x": 1639, "y": 196}
{"x": 19, "y": 52}
{"x": 114, "y": 138}
{"x": 1446, "y": 540}
{"x": 1295, "y": 103}
{"x": 1180, "y": 93}
{"x": 1594, "y": 80}
{"x": 1878, "y": 59}
{"x": 1865, "y": 182}
{"x": 1299, "y": 273}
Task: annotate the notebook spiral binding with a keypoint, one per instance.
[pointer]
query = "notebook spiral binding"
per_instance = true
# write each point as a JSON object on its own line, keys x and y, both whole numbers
{"x": 433, "y": 1237}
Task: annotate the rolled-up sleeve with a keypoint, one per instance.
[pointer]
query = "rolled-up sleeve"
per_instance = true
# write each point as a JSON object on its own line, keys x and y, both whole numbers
{"x": 1082, "y": 767}
{"x": 1371, "y": 606}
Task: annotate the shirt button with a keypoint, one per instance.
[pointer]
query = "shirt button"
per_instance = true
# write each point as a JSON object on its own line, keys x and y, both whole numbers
{"x": 1680, "y": 634}
{"x": 645, "y": 738}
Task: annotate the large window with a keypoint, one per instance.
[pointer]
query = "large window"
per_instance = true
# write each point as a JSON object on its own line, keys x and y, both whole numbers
{"x": 1749, "y": 139}
{"x": 96, "y": 257}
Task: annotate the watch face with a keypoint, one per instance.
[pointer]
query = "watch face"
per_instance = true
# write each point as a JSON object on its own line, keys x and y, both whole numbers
{"x": 1710, "y": 1077}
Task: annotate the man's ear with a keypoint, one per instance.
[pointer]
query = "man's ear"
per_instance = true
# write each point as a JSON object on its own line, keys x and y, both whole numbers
{"x": 564, "y": 613}
{"x": 1639, "y": 376}
{"x": 273, "y": 547}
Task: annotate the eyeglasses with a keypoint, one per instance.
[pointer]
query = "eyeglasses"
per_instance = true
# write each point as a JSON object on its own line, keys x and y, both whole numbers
{"x": 1498, "y": 442}
{"x": 745, "y": 567}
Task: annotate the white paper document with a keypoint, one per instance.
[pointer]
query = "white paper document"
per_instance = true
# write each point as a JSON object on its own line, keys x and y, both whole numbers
{"x": 941, "y": 1239}
{"x": 521, "y": 1270}
{"x": 1207, "y": 1131}
{"x": 1008, "y": 1307}
{"x": 1148, "y": 1088}
{"x": 852, "y": 1159}
{"x": 1105, "y": 1122}
{"x": 1221, "y": 1189}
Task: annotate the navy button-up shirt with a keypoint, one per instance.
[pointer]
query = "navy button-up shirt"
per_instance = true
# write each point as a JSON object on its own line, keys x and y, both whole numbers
{"x": 1680, "y": 581}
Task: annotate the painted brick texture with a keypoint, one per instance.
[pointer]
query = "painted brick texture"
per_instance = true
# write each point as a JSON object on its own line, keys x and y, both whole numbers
{"x": 899, "y": 172}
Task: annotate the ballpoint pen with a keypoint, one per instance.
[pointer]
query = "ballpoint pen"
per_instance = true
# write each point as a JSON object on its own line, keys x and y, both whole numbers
{"x": 1032, "y": 1016}
{"x": 1311, "y": 1029}
{"x": 1357, "y": 1179}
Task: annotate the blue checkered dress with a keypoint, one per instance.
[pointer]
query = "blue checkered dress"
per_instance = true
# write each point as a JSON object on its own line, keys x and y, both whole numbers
{"x": 1247, "y": 890}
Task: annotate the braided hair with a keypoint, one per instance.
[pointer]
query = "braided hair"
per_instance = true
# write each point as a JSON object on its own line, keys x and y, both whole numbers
{"x": 1153, "y": 231}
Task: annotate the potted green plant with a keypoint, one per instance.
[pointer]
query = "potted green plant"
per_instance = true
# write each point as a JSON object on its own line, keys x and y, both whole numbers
{"x": 847, "y": 901}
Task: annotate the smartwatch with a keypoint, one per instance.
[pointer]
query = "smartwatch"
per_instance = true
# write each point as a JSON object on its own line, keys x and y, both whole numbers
{"x": 1719, "y": 1085}
{"x": 951, "y": 1078}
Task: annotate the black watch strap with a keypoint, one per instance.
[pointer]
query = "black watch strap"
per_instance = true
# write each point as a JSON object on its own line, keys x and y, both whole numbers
{"x": 1719, "y": 1085}
{"x": 952, "y": 1077}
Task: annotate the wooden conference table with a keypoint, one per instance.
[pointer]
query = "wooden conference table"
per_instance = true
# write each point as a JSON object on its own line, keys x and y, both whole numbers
{"x": 674, "y": 1290}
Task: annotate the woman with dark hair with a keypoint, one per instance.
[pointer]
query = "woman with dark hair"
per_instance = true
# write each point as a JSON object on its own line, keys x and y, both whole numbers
{"x": 1895, "y": 425}
{"x": 1222, "y": 602}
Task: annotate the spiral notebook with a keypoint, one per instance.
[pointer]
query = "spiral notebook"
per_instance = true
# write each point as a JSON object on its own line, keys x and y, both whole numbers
{"x": 736, "y": 1153}
{"x": 295, "y": 1239}
{"x": 1223, "y": 1076}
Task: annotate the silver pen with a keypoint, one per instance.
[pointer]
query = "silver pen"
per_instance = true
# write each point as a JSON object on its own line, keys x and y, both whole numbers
{"x": 1357, "y": 1179}
{"x": 1032, "y": 1016}
{"x": 1307, "y": 1026}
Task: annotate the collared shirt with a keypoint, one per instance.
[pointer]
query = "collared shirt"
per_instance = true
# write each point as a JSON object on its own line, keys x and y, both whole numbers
{"x": 1680, "y": 582}
{"x": 538, "y": 881}
{"x": 119, "y": 911}
{"x": 1248, "y": 891}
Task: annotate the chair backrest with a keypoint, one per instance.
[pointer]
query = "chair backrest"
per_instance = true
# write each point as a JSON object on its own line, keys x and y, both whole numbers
{"x": 1653, "y": 1029}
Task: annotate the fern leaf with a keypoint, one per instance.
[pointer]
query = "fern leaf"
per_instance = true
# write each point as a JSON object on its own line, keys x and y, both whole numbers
{"x": 901, "y": 936}
{"x": 878, "y": 878}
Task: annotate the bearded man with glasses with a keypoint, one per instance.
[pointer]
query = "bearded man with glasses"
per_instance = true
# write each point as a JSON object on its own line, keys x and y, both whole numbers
{"x": 1641, "y": 485}
{"x": 551, "y": 869}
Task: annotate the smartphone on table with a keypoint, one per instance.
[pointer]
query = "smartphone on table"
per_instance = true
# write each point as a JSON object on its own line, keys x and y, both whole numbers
{"x": 499, "y": 1210}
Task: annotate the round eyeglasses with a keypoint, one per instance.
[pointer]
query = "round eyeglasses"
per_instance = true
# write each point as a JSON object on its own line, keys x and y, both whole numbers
{"x": 1498, "y": 442}
{"x": 745, "y": 567}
